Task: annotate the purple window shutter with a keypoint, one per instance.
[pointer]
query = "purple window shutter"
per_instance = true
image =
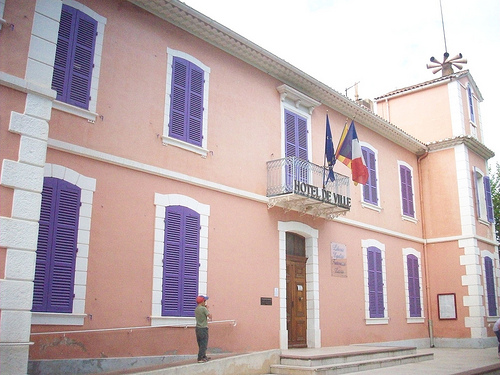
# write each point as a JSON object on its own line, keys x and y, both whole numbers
{"x": 375, "y": 283}
{"x": 471, "y": 104}
{"x": 477, "y": 176}
{"x": 56, "y": 254}
{"x": 42, "y": 269}
{"x": 303, "y": 170}
{"x": 290, "y": 147}
{"x": 186, "y": 106}
{"x": 74, "y": 57}
{"x": 296, "y": 143}
{"x": 370, "y": 188}
{"x": 488, "y": 198}
{"x": 490, "y": 287}
{"x": 83, "y": 61}
{"x": 290, "y": 135}
{"x": 172, "y": 260}
{"x": 62, "y": 60}
{"x": 195, "y": 124}
{"x": 413, "y": 286}
{"x": 180, "y": 261}
{"x": 406, "y": 191}
{"x": 191, "y": 262}
{"x": 178, "y": 106}
{"x": 302, "y": 138}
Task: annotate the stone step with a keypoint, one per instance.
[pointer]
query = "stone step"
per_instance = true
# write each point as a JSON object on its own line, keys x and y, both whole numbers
{"x": 352, "y": 355}
{"x": 343, "y": 363}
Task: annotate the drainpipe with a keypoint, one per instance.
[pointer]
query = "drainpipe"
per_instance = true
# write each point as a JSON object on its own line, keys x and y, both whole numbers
{"x": 427, "y": 283}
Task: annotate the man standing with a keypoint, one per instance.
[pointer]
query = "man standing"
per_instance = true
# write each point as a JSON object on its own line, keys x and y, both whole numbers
{"x": 202, "y": 315}
{"x": 496, "y": 330}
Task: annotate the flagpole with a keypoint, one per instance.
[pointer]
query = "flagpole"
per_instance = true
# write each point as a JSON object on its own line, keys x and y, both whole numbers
{"x": 324, "y": 157}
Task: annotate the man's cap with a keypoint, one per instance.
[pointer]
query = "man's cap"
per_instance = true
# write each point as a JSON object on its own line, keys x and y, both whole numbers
{"x": 200, "y": 299}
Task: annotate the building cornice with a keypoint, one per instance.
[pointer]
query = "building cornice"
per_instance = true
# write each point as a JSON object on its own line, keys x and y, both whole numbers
{"x": 470, "y": 142}
{"x": 205, "y": 28}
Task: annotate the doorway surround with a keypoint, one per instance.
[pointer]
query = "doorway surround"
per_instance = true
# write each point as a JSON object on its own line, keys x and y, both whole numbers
{"x": 312, "y": 279}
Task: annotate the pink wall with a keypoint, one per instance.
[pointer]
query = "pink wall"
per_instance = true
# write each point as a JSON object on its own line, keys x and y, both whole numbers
{"x": 445, "y": 277}
{"x": 20, "y": 14}
{"x": 244, "y": 132}
{"x": 244, "y": 122}
{"x": 428, "y": 107}
{"x": 441, "y": 200}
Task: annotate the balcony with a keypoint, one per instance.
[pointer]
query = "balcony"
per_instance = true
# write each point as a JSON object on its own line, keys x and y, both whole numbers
{"x": 297, "y": 185}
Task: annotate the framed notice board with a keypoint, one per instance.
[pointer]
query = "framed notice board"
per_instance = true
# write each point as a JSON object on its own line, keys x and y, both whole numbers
{"x": 447, "y": 306}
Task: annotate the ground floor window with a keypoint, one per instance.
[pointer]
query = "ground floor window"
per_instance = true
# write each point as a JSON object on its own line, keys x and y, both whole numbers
{"x": 57, "y": 247}
{"x": 180, "y": 258}
{"x": 180, "y": 261}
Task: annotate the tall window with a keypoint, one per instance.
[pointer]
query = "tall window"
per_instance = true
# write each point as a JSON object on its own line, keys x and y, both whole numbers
{"x": 470, "y": 97}
{"x": 74, "y": 58}
{"x": 484, "y": 201}
{"x": 186, "y": 116}
{"x": 490, "y": 286}
{"x": 57, "y": 247}
{"x": 180, "y": 261}
{"x": 370, "y": 191}
{"x": 296, "y": 145}
{"x": 186, "y": 102}
{"x": 413, "y": 286}
{"x": 406, "y": 181}
{"x": 375, "y": 282}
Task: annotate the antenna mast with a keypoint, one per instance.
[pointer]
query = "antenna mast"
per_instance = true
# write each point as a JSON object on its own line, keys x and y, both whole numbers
{"x": 442, "y": 22}
{"x": 447, "y": 65}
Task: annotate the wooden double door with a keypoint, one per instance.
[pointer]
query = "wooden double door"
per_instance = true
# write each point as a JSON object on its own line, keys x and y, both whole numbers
{"x": 296, "y": 301}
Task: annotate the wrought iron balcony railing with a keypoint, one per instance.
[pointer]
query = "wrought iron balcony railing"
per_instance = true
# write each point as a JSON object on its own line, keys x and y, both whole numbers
{"x": 299, "y": 185}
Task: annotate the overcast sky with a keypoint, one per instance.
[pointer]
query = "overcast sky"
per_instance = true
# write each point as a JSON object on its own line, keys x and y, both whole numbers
{"x": 383, "y": 44}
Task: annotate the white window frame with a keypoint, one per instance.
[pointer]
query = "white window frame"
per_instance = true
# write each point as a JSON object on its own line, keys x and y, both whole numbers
{"x": 480, "y": 196}
{"x": 421, "y": 318}
{"x": 87, "y": 186}
{"x": 365, "y": 244}
{"x": 472, "y": 113}
{"x": 91, "y": 113}
{"x": 300, "y": 104}
{"x": 403, "y": 216}
{"x": 167, "y": 140}
{"x": 495, "y": 262}
{"x": 162, "y": 201}
{"x": 365, "y": 204}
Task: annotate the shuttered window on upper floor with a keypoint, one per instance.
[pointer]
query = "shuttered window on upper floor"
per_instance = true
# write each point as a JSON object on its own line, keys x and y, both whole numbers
{"x": 74, "y": 58}
{"x": 407, "y": 191}
{"x": 370, "y": 189}
{"x": 484, "y": 201}
{"x": 186, "y": 107}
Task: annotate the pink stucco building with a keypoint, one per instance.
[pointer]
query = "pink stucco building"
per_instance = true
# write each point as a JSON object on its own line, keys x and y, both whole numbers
{"x": 150, "y": 154}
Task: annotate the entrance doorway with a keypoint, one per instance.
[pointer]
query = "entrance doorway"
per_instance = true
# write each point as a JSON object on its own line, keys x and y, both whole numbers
{"x": 296, "y": 302}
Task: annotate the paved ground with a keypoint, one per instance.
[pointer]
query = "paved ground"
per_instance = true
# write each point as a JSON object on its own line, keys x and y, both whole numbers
{"x": 446, "y": 361}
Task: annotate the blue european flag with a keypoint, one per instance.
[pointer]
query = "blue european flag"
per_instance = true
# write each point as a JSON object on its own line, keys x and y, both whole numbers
{"x": 329, "y": 152}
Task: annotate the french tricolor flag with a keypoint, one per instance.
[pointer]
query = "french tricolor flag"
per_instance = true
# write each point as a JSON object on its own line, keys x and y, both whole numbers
{"x": 349, "y": 153}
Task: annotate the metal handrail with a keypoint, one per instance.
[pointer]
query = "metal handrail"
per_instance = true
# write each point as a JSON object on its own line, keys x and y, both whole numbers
{"x": 132, "y": 328}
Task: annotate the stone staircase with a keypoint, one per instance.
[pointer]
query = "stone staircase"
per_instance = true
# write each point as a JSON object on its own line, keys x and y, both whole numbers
{"x": 351, "y": 359}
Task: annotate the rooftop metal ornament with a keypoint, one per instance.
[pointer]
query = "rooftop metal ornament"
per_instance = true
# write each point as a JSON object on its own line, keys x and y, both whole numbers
{"x": 447, "y": 65}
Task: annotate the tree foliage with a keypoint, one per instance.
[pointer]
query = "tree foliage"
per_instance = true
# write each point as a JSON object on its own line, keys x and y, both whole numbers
{"x": 495, "y": 196}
